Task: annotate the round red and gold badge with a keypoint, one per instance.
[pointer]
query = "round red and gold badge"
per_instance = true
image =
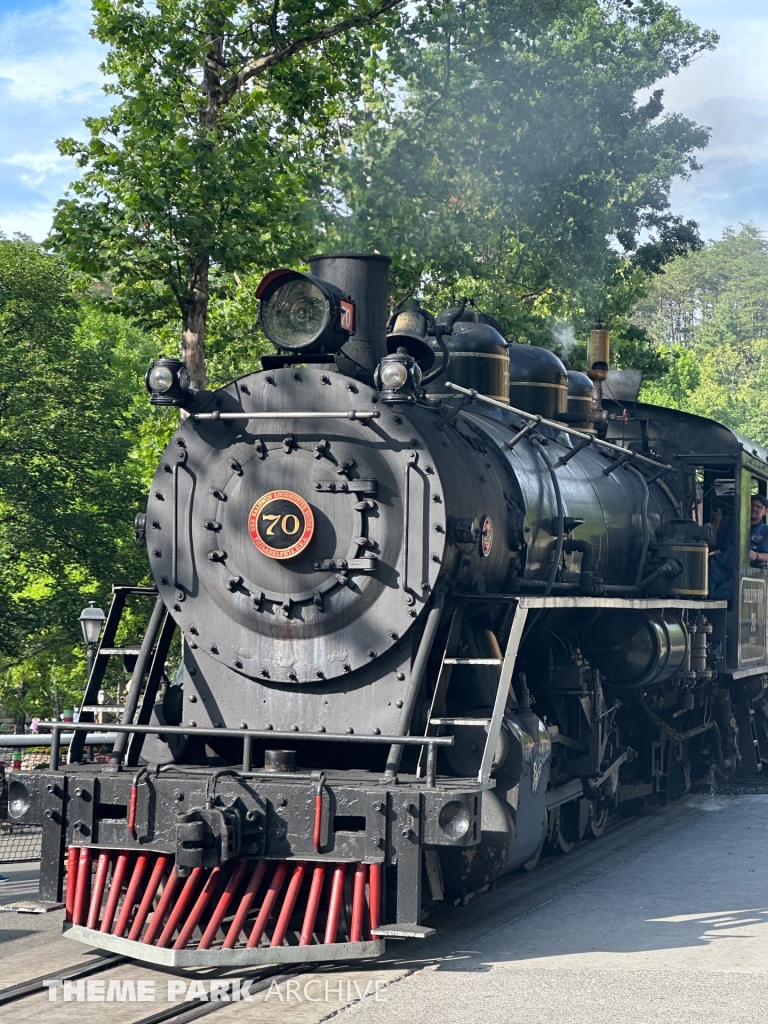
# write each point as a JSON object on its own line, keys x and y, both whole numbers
{"x": 281, "y": 524}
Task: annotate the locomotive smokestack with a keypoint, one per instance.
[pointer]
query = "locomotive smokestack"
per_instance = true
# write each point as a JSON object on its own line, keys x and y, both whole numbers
{"x": 366, "y": 280}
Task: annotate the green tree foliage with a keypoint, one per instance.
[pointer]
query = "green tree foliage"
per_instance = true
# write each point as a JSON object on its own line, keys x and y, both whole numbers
{"x": 708, "y": 315}
{"x": 210, "y": 154}
{"x": 502, "y": 153}
{"x": 69, "y": 489}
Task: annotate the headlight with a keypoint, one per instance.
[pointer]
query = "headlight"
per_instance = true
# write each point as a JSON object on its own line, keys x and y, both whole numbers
{"x": 168, "y": 382}
{"x": 302, "y": 313}
{"x": 160, "y": 378}
{"x": 454, "y": 819}
{"x": 295, "y": 314}
{"x": 393, "y": 376}
{"x": 19, "y": 800}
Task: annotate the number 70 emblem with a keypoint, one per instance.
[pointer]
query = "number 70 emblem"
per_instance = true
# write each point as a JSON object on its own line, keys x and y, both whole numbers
{"x": 281, "y": 524}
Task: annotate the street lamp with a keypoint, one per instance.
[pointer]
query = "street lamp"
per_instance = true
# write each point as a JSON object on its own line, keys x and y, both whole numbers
{"x": 91, "y": 621}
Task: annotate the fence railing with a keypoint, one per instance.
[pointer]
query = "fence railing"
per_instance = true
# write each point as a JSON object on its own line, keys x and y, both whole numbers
{"x": 19, "y": 843}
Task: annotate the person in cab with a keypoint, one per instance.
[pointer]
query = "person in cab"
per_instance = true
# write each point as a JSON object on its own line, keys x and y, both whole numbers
{"x": 721, "y": 566}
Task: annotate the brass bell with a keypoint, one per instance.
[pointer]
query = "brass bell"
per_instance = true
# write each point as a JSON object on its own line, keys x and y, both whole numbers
{"x": 407, "y": 329}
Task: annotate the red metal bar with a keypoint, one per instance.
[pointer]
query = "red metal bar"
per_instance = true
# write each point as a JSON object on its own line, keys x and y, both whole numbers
{"x": 270, "y": 898}
{"x": 223, "y": 905}
{"x": 313, "y": 903}
{"x": 73, "y": 859}
{"x": 358, "y": 904}
{"x": 334, "y": 906}
{"x": 132, "y": 811}
{"x": 102, "y": 870}
{"x": 132, "y": 894}
{"x": 202, "y": 902}
{"x": 161, "y": 910}
{"x": 83, "y": 891}
{"x": 374, "y": 894}
{"x": 245, "y": 905}
{"x": 149, "y": 896}
{"x": 179, "y": 910}
{"x": 291, "y": 895}
{"x": 318, "y": 822}
{"x": 115, "y": 888}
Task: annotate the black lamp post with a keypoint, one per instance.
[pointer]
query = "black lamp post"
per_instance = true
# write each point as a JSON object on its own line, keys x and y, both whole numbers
{"x": 91, "y": 621}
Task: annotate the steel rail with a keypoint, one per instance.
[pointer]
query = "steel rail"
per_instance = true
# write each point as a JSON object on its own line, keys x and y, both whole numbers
{"x": 353, "y": 414}
{"x": 35, "y": 985}
{"x": 262, "y": 734}
{"x": 95, "y": 739}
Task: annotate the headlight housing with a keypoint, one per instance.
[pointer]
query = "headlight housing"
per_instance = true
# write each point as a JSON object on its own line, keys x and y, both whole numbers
{"x": 393, "y": 376}
{"x": 160, "y": 378}
{"x": 302, "y": 313}
{"x": 168, "y": 382}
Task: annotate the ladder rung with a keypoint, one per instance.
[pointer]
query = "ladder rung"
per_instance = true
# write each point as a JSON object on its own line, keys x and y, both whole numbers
{"x": 473, "y": 661}
{"x": 119, "y": 650}
{"x": 142, "y": 591}
{"x": 459, "y": 721}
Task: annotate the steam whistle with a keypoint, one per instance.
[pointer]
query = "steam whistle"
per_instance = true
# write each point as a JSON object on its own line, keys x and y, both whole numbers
{"x": 598, "y": 364}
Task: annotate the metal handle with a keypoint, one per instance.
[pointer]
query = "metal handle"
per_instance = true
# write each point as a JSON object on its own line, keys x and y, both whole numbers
{"x": 413, "y": 458}
{"x": 181, "y": 459}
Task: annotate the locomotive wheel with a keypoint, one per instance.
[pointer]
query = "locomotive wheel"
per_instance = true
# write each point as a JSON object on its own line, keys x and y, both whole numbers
{"x": 598, "y": 819}
{"x": 565, "y": 828}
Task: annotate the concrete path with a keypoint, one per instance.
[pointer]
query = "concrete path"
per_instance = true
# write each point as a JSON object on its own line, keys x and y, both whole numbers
{"x": 674, "y": 932}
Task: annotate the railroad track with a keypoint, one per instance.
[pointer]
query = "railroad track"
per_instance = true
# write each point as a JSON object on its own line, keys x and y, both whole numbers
{"x": 180, "y": 1013}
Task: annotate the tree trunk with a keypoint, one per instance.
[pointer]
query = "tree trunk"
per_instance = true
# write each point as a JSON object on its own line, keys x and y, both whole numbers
{"x": 195, "y": 304}
{"x": 195, "y": 314}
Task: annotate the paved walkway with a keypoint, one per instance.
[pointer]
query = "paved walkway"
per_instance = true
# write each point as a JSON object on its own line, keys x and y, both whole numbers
{"x": 674, "y": 931}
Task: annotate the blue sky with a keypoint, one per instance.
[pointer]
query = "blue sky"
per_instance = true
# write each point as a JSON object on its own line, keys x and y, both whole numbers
{"x": 49, "y": 81}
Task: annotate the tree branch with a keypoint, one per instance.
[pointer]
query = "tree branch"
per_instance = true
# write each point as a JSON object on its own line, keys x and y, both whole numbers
{"x": 261, "y": 64}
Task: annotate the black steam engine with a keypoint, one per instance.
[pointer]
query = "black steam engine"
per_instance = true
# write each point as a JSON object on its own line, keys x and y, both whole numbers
{"x": 442, "y": 605}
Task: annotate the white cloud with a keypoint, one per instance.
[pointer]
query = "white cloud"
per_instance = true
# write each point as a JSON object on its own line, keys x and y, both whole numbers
{"x": 728, "y": 92}
{"x": 49, "y": 81}
{"x": 48, "y": 55}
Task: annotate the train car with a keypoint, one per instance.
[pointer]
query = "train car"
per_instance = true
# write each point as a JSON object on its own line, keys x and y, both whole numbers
{"x": 443, "y": 606}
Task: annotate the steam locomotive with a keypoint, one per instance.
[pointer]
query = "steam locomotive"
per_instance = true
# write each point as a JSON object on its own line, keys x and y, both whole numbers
{"x": 442, "y": 605}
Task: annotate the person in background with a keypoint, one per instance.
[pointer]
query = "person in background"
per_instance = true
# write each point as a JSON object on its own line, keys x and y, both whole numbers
{"x": 721, "y": 566}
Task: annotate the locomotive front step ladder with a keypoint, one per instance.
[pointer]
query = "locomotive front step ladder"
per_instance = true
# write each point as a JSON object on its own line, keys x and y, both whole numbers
{"x": 438, "y": 720}
{"x": 148, "y": 661}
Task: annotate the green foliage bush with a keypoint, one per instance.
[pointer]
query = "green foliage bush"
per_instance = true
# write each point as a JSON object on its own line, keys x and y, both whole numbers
{"x": 70, "y": 472}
